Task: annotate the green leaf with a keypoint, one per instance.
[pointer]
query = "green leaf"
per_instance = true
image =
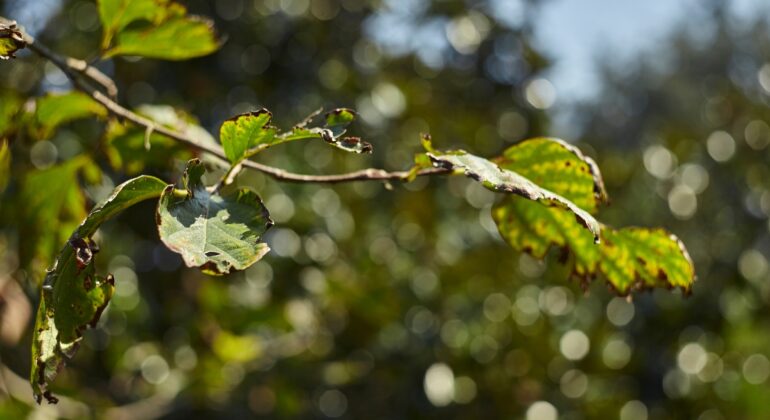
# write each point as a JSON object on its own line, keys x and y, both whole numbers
{"x": 54, "y": 110}
{"x": 130, "y": 150}
{"x": 118, "y": 14}
{"x": 246, "y": 134}
{"x": 11, "y": 41}
{"x": 339, "y": 119}
{"x": 217, "y": 232}
{"x": 533, "y": 228}
{"x": 73, "y": 296}
{"x": 178, "y": 38}
{"x": 51, "y": 194}
{"x": 495, "y": 178}
{"x": 5, "y": 165}
{"x": 10, "y": 108}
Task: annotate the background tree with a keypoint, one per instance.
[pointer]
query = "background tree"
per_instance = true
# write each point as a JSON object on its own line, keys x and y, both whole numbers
{"x": 373, "y": 300}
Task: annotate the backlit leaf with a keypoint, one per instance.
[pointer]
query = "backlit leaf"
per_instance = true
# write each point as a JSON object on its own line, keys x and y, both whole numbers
{"x": 497, "y": 179}
{"x": 629, "y": 258}
{"x": 54, "y": 110}
{"x": 118, "y": 14}
{"x": 178, "y": 38}
{"x": 73, "y": 296}
{"x": 247, "y": 134}
{"x": 215, "y": 231}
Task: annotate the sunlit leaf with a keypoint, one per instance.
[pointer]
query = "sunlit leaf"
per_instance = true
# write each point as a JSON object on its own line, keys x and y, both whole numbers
{"x": 11, "y": 40}
{"x": 118, "y": 14}
{"x": 497, "y": 179}
{"x": 531, "y": 227}
{"x": 339, "y": 119}
{"x": 73, "y": 296}
{"x": 54, "y": 110}
{"x": 178, "y": 38}
{"x": 246, "y": 134}
{"x": 215, "y": 231}
{"x": 131, "y": 150}
{"x": 51, "y": 195}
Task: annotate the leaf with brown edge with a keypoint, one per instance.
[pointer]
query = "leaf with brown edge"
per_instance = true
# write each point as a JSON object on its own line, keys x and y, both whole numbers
{"x": 497, "y": 179}
{"x": 73, "y": 296}
{"x": 629, "y": 258}
{"x": 11, "y": 40}
{"x": 216, "y": 231}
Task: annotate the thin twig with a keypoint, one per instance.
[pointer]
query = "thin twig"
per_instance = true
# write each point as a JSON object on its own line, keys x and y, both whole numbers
{"x": 72, "y": 71}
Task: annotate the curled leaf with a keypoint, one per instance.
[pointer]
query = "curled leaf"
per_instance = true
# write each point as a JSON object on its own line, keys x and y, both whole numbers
{"x": 73, "y": 296}
{"x": 217, "y": 232}
{"x": 498, "y": 179}
{"x": 11, "y": 40}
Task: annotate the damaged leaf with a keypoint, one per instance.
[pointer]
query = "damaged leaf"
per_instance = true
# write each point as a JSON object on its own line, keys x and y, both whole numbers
{"x": 247, "y": 134}
{"x": 73, "y": 296}
{"x": 11, "y": 40}
{"x": 531, "y": 227}
{"x": 497, "y": 179}
{"x": 215, "y": 231}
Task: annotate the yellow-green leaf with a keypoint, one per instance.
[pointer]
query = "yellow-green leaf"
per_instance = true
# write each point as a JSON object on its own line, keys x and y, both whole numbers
{"x": 498, "y": 179}
{"x": 177, "y": 38}
{"x": 11, "y": 40}
{"x": 118, "y": 14}
{"x": 629, "y": 258}
{"x": 54, "y": 110}
{"x": 246, "y": 134}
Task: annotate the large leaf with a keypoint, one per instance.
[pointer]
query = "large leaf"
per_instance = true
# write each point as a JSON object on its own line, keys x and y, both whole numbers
{"x": 54, "y": 110}
{"x": 216, "y": 231}
{"x": 154, "y": 28}
{"x": 498, "y": 179}
{"x": 629, "y": 258}
{"x": 73, "y": 296}
{"x": 11, "y": 40}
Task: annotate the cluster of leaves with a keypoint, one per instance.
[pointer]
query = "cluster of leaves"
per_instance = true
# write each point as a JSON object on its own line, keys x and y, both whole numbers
{"x": 551, "y": 192}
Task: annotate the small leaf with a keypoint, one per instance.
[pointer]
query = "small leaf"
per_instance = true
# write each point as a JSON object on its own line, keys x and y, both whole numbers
{"x": 501, "y": 180}
{"x": 247, "y": 134}
{"x": 11, "y": 40}
{"x": 215, "y": 232}
{"x": 339, "y": 119}
{"x": 54, "y": 110}
{"x": 73, "y": 296}
{"x": 175, "y": 39}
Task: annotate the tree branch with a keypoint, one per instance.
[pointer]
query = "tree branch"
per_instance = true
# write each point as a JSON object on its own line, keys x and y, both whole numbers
{"x": 76, "y": 70}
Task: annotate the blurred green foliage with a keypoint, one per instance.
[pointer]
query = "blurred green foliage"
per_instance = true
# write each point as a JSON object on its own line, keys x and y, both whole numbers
{"x": 406, "y": 302}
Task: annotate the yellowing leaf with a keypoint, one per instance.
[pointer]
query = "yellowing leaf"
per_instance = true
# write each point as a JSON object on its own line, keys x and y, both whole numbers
{"x": 629, "y": 258}
{"x": 10, "y": 41}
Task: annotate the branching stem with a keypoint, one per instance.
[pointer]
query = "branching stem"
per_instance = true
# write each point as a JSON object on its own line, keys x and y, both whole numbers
{"x": 83, "y": 76}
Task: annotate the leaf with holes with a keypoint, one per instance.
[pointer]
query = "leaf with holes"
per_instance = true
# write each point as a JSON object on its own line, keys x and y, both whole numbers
{"x": 244, "y": 135}
{"x": 215, "y": 231}
{"x": 73, "y": 296}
